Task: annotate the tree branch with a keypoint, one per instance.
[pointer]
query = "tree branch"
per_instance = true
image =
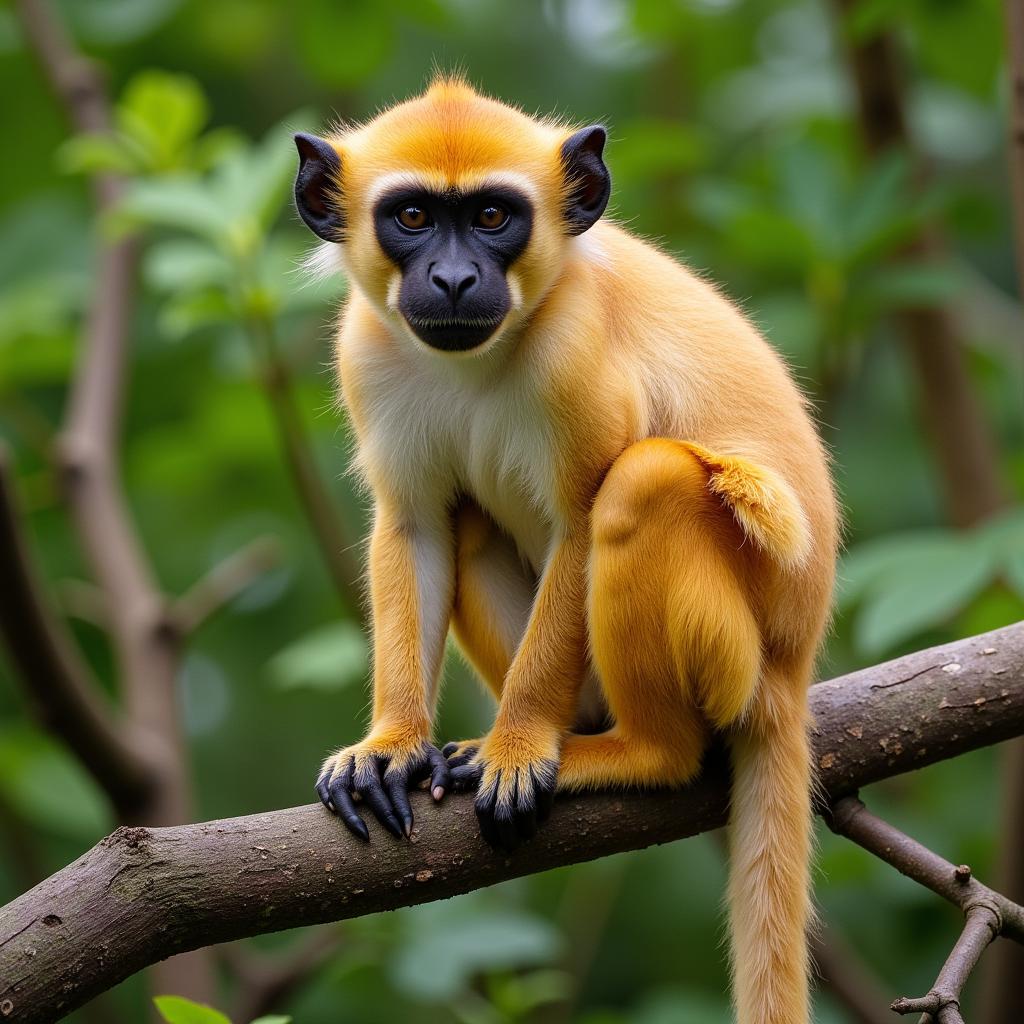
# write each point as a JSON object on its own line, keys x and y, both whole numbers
{"x": 225, "y": 581}
{"x": 146, "y": 642}
{"x": 64, "y": 696}
{"x": 963, "y": 445}
{"x": 333, "y": 536}
{"x": 1004, "y": 967}
{"x": 988, "y": 913}
{"x": 266, "y": 982}
{"x": 942, "y": 1003}
{"x": 143, "y": 894}
{"x": 850, "y": 818}
{"x": 845, "y": 973}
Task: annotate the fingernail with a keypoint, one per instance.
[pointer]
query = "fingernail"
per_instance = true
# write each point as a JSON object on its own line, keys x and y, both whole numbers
{"x": 437, "y": 792}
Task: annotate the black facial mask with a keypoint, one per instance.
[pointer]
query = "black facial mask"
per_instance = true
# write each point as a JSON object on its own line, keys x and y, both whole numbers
{"x": 453, "y": 250}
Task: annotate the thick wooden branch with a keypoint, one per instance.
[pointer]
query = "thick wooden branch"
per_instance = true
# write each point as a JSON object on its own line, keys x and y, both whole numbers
{"x": 143, "y": 894}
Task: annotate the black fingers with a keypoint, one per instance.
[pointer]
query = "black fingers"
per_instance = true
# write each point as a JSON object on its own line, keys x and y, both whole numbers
{"x": 455, "y": 758}
{"x": 383, "y": 788}
{"x": 506, "y": 822}
{"x": 396, "y": 785}
{"x": 465, "y": 777}
{"x": 367, "y": 781}
{"x": 440, "y": 776}
{"x": 336, "y": 796}
{"x": 544, "y": 793}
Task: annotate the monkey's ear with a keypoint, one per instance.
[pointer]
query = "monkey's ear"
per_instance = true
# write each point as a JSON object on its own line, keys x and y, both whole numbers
{"x": 316, "y": 186}
{"x": 588, "y": 179}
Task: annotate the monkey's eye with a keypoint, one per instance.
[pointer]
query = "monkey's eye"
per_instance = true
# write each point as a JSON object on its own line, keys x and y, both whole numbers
{"x": 490, "y": 218}
{"x": 413, "y": 218}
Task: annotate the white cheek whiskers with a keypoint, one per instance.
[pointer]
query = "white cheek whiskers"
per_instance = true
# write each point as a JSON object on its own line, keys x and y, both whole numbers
{"x": 394, "y": 288}
{"x": 515, "y": 291}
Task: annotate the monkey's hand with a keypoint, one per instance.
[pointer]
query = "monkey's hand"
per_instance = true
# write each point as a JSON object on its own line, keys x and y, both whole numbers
{"x": 380, "y": 770}
{"x": 514, "y": 772}
{"x": 465, "y": 771}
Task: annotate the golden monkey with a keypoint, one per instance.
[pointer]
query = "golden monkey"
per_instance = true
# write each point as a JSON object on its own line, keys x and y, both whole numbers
{"x": 588, "y": 464}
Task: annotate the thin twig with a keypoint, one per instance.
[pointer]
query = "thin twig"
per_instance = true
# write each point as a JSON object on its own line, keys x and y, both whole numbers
{"x": 225, "y": 581}
{"x": 955, "y": 883}
{"x": 848, "y": 977}
{"x": 267, "y": 982}
{"x": 942, "y": 1003}
{"x": 988, "y": 913}
{"x": 336, "y": 541}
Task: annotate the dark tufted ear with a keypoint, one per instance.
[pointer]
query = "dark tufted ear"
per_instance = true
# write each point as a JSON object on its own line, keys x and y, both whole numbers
{"x": 316, "y": 186}
{"x": 589, "y": 182}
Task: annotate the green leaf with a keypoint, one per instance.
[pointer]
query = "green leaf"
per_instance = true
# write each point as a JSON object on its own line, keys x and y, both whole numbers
{"x": 90, "y": 154}
{"x": 117, "y": 22}
{"x": 487, "y": 941}
{"x": 187, "y": 312}
{"x": 922, "y": 590}
{"x": 329, "y": 658}
{"x": 1015, "y": 572}
{"x": 253, "y": 182}
{"x": 518, "y": 995}
{"x": 178, "y": 1010}
{"x": 183, "y": 202}
{"x": 47, "y": 788}
{"x": 863, "y": 566}
{"x": 913, "y": 285}
{"x": 183, "y": 264}
{"x": 164, "y": 113}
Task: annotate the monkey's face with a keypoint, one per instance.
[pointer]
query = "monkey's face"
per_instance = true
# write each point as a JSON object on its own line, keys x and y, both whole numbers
{"x": 454, "y": 212}
{"x": 453, "y": 250}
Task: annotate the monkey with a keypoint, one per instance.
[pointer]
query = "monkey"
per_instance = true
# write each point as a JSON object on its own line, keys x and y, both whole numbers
{"x": 588, "y": 465}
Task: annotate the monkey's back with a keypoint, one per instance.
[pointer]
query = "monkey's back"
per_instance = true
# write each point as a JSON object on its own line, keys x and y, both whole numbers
{"x": 703, "y": 373}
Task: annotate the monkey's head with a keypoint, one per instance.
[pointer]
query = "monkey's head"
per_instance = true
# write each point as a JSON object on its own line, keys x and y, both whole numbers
{"x": 453, "y": 211}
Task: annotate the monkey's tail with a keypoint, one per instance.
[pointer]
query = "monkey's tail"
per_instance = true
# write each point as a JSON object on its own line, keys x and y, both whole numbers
{"x": 770, "y": 846}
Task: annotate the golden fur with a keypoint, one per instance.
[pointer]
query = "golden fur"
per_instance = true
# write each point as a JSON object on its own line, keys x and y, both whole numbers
{"x": 619, "y": 502}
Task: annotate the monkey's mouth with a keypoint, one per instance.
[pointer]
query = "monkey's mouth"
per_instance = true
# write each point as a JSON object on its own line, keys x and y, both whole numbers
{"x": 454, "y": 334}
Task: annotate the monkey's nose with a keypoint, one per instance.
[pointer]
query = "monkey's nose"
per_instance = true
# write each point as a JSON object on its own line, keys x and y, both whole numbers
{"x": 453, "y": 281}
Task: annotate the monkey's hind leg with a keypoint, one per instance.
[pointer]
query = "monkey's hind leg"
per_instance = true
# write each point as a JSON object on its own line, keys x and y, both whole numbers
{"x": 672, "y": 635}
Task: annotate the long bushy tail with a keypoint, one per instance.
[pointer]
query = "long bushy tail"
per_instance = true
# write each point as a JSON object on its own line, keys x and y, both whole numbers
{"x": 770, "y": 842}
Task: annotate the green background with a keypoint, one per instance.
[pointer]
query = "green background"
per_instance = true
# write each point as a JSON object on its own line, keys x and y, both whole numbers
{"x": 735, "y": 143}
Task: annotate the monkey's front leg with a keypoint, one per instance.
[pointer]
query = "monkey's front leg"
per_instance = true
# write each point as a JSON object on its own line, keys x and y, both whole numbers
{"x": 518, "y": 761}
{"x": 411, "y": 584}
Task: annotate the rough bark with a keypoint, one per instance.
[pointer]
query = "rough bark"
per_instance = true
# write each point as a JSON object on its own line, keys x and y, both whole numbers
{"x": 143, "y": 894}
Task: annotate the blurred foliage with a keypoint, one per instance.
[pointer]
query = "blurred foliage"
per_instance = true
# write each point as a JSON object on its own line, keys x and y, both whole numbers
{"x": 734, "y": 144}
{"x": 177, "y": 1010}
